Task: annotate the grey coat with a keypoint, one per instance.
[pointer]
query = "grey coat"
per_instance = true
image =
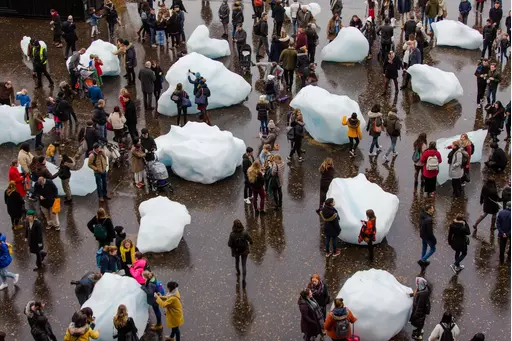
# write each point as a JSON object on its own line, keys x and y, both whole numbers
{"x": 147, "y": 80}
{"x": 456, "y": 170}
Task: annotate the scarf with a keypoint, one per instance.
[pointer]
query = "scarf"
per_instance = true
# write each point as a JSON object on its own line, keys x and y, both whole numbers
{"x": 316, "y": 309}
{"x": 421, "y": 283}
{"x": 317, "y": 290}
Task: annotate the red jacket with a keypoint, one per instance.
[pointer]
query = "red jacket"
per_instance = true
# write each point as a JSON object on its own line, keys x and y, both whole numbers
{"x": 426, "y": 154}
{"x": 14, "y": 175}
{"x": 301, "y": 40}
{"x": 97, "y": 66}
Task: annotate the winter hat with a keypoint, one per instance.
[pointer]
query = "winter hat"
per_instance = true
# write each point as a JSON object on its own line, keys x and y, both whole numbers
{"x": 144, "y": 131}
{"x": 369, "y": 19}
{"x": 421, "y": 283}
{"x": 270, "y": 77}
{"x": 118, "y": 229}
{"x": 263, "y": 98}
{"x": 31, "y": 212}
{"x": 354, "y": 115}
{"x": 271, "y": 125}
{"x": 198, "y": 75}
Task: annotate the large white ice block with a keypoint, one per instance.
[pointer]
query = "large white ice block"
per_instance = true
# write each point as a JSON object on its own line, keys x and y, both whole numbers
{"x": 313, "y": 7}
{"x": 82, "y": 181}
{"x": 455, "y": 33}
{"x": 434, "y": 85}
{"x": 26, "y": 41}
{"x": 110, "y": 292}
{"x": 162, "y": 222}
{"x": 350, "y": 46}
{"x": 14, "y": 128}
{"x": 201, "y": 43}
{"x": 478, "y": 139}
{"x": 353, "y": 196}
{"x": 380, "y": 303}
{"x": 200, "y": 153}
{"x": 104, "y": 49}
{"x": 323, "y": 112}
{"x": 227, "y": 88}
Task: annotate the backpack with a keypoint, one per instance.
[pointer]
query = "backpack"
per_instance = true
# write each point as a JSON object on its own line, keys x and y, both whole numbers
{"x": 159, "y": 287}
{"x": 465, "y": 158}
{"x": 342, "y": 327}
{"x": 398, "y": 126}
{"x": 240, "y": 242}
{"x": 377, "y": 125}
{"x": 99, "y": 253}
{"x": 416, "y": 156}
{"x": 143, "y": 16}
{"x": 290, "y": 134}
{"x": 432, "y": 163}
{"x": 447, "y": 333}
{"x": 257, "y": 28}
{"x": 99, "y": 231}
{"x": 472, "y": 148}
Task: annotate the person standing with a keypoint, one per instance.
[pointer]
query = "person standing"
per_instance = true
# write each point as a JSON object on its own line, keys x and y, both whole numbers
{"x": 488, "y": 33}
{"x": 131, "y": 61}
{"x": 414, "y": 58}
{"x": 353, "y": 133}
{"x": 368, "y": 232}
{"x": 124, "y": 324}
{"x": 7, "y": 93}
{"x": 294, "y": 9}
{"x": 247, "y": 161}
{"x": 5, "y": 261}
{"x": 496, "y": 14}
{"x": 63, "y": 110}
{"x": 263, "y": 108}
{"x": 431, "y": 159}
{"x": 57, "y": 28}
{"x": 100, "y": 118}
{"x": 490, "y": 199}
{"x": 503, "y": 225}
{"x": 481, "y": 73}
{"x": 240, "y": 37}
{"x": 15, "y": 205}
{"x": 224, "y": 12}
{"x": 94, "y": 93}
{"x": 137, "y": 163}
{"x": 151, "y": 287}
{"x": 182, "y": 101}
{"x": 39, "y": 61}
{"x": 112, "y": 17}
{"x": 297, "y": 134}
{"x": 311, "y": 318}
{"x": 337, "y": 323}
{"x": 173, "y": 310}
{"x": 74, "y": 63}
{"x": 386, "y": 38}
{"x": 393, "y": 128}
{"x": 331, "y": 219}
{"x": 457, "y": 159}
{"x": 320, "y": 292}
{"x": 263, "y": 35}
{"x": 34, "y": 237}
{"x": 36, "y": 123}
{"x": 327, "y": 174}
{"x": 117, "y": 120}
{"x": 98, "y": 163}
{"x": 288, "y": 60}
{"x": 46, "y": 191}
{"x": 419, "y": 146}
{"x": 392, "y": 65}
{"x": 312, "y": 38}
{"x": 277, "y": 165}
{"x": 432, "y": 10}
{"x": 147, "y": 83}
{"x": 130, "y": 114}
{"x": 278, "y": 13}
{"x": 458, "y": 240}
{"x": 420, "y": 307}
{"x": 257, "y": 181}
{"x": 237, "y": 20}
{"x": 239, "y": 241}
{"x": 159, "y": 79}
{"x": 64, "y": 174}
{"x": 464, "y": 10}
{"x": 16, "y": 177}
{"x": 493, "y": 79}
{"x": 428, "y": 239}
{"x": 102, "y": 228}
{"x": 70, "y": 37}
{"x": 374, "y": 128}
{"x": 446, "y": 326}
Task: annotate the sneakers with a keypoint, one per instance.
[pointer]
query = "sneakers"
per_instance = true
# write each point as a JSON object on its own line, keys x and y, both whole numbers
{"x": 3, "y": 286}
{"x": 336, "y": 254}
{"x": 456, "y": 269}
{"x": 157, "y": 327}
{"x": 372, "y": 154}
{"x": 16, "y": 278}
{"x": 352, "y": 153}
{"x": 140, "y": 185}
{"x": 288, "y": 158}
{"x": 247, "y": 201}
{"x": 57, "y": 228}
{"x": 385, "y": 157}
{"x": 328, "y": 254}
{"x": 301, "y": 159}
{"x": 395, "y": 154}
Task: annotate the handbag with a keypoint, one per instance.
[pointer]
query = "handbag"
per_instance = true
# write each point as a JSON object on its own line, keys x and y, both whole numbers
{"x": 109, "y": 126}
{"x": 185, "y": 102}
{"x": 56, "y": 206}
{"x": 201, "y": 100}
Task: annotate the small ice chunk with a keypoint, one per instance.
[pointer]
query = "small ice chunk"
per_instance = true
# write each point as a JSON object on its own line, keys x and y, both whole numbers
{"x": 200, "y": 153}
{"x": 200, "y": 42}
{"x": 455, "y": 33}
{"x": 26, "y": 41}
{"x": 104, "y": 49}
{"x": 381, "y": 304}
{"x": 14, "y": 128}
{"x": 162, "y": 222}
{"x": 434, "y": 85}
{"x": 313, "y": 7}
{"x": 349, "y": 46}
{"x": 353, "y": 196}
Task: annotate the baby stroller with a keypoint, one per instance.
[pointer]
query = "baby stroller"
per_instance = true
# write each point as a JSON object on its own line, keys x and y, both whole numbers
{"x": 245, "y": 58}
{"x": 113, "y": 153}
{"x": 85, "y": 77}
{"x": 157, "y": 176}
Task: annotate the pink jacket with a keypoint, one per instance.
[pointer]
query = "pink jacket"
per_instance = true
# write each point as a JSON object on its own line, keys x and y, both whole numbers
{"x": 136, "y": 270}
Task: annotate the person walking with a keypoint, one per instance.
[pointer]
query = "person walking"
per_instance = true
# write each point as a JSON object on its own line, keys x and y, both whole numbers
{"x": 327, "y": 174}
{"x": 173, "y": 310}
{"x": 224, "y": 12}
{"x": 278, "y": 14}
{"x": 428, "y": 239}
{"x": 394, "y": 129}
{"x": 431, "y": 159}
{"x": 311, "y": 318}
{"x": 337, "y": 323}
{"x": 288, "y": 60}
{"x": 98, "y": 163}
{"x": 419, "y": 146}
{"x": 39, "y": 57}
{"x": 420, "y": 307}
{"x": 111, "y": 16}
{"x": 262, "y": 36}
{"x": 368, "y": 232}
{"x": 70, "y": 37}
{"x": 391, "y": 66}
{"x": 15, "y": 205}
{"x": 239, "y": 241}
{"x": 374, "y": 128}
{"x": 354, "y": 132}
{"x": 503, "y": 225}
{"x": 5, "y": 261}
{"x": 130, "y": 114}
{"x": 40, "y": 327}
{"x": 458, "y": 240}
{"x": 257, "y": 181}
{"x": 490, "y": 199}
{"x": 147, "y": 82}
{"x": 46, "y": 191}
{"x": 237, "y": 20}
{"x": 102, "y": 228}
{"x": 151, "y": 287}
{"x": 446, "y": 326}
{"x": 331, "y": 219}
{"x": 296, "y": 135}
{"x": 34, "y": 237}
{"x": 56, "y": 26}
{"x": 457, "y": 159}
{"x": 124, "y": 325}
{"x": 247, "y": 161}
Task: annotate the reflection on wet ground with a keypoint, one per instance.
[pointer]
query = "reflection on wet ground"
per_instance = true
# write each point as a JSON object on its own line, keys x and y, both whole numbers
{"x": 287, "y": 245}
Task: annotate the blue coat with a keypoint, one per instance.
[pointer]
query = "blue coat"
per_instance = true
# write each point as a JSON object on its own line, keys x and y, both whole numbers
{"x": 95, "y": 94}
{"x": 465, "y": 7}
{"x": 503, "y": 222}
{"x": 5, "y": 257}
{"x": 404, "y": 6}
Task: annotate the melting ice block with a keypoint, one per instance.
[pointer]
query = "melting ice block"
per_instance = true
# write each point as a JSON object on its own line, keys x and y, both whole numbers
{"x": 26, "y": 41}
{"x": 104, "y": 49}
{"x": 434, "y": 85}
{"x": 380, "y": 303}
{"x": 14, "y": 128}
{"x": 162, "y": 222}
{"x": 200, "y": 153}
{"x": 313, "y": 7}
{"x": 478, "y": 139}
{"x": 201, "y": 43}
{"x": 350, "y": 46}
{"x": 353, "y": 196}
{"x": 111, "y": 291}
{"x": 227, "y": 88}
{"x": 455, "y": 33}
{"x": 323, "y": 113}
{"x": 82, "y": 181}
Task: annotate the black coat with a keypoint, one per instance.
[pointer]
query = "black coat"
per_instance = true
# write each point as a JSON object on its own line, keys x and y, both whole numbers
{"x": 262, "y": 109}
{"x": 15, "y": 204}
{"x": 69, "y": 32}
{"x": 386, "y": 33}
{"x": 99, "y": 116}
{"x": 495, "y": 14}
{"x": 489, "y": 198}
{"x": 391, "y": 69}
{"x": 275, "y": 50}
{"x": 278, "y": 14}
{"x": 107, "y": 223}
{"x": 500, "y": 158}
{"x": 505, "y": 195}
{"x": 308, "y": 321}
{"x": 84, "y": 288}
{"x": 91, "y": 136}
{"x": 62, "y": 109}
{"x": 129, "y": 327}
{"x": 409, "y": 28}
{"x": 457, "y": 235}
{"x": 427, "y": 227}
{"x": 49, "y": 191}
{"x": 326, "y": 178}
{"x": 34, "y": 236}
{"x": 158, "y": 78}
{"x": 246, "y": 163}
{"x": 130, "y": 113}
{"x": 322, "y": 298}
{"x": 109, "y": 263}
{"x": 420, "y": 307}
{"x": 239, "y": 251}
{"x": 131, "y": 57}
{"x": 331, "y": 219}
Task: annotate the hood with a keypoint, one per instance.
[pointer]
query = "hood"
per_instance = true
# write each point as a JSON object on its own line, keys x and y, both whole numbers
{"x": 328, "y": 213}
{"x": 76, "y": 332}
{"x": 372, "y": 114}
{"x": 339, "y": 313}
{"x": 130, "y": 46}
{"x": 28, "y": 311}
{"x": 392, "y": 115}
{"x": 353, "y": 123}
{"x": 421, "y": 283}
{"x": 141, "y": 262}
{"x": 2, "y": 237}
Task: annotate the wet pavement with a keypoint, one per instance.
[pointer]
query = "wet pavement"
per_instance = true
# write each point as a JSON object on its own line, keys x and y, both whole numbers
{"x": 287, "y": 245}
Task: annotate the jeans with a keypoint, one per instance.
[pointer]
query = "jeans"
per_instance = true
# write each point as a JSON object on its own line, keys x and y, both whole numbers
{"x": 393, "y": 145}
{"x": 424, "y": 244}
{"x": 430, "y": 21}
{"x": 353, "y": 145}
{"x": 160, "y": 37}
{"x": 152, "y": 35}
{"x": 4, "y": 274}
{"x": 244, "y": 264}
{"x": 263, "y": 40}
{"x": 234, "y": 31}
{"x": 422, "y": 14}
{"x": 487, "y": 46}
{"x": 39, "y": 138}
{"x": 464, "y": 18}
{"x": 294, "y": 25}
{"x": 175, "y": 333}
{"x": 102, "y": 129}
{"x": 278, "y": 196}
{"x": 247, "y": 189}
{"x": 158, "y": 313}
{"x": 459, "y": 256}
{"x": 264, "y": 126}
{"x": 328, "y": 240}
{"x": 503, "y": 245}
{"x": 101, "y": 184}
{"x": 375, "y": 143}
{"x": 491, "y": 92}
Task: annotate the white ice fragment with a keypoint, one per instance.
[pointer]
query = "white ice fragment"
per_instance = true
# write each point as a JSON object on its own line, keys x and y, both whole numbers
{"x": 434, "y": 85}
{"x": 455, "y": 33}
{"x": 349, "y": 46}
{"x": 104, "y": 49}
{"x": 313, "y": 7}
{"x": 26, "y": 41}
{"x": 14, "y": 128}
{"x": 200, "y": 42}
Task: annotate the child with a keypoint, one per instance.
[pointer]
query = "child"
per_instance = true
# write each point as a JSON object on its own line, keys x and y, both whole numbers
{"x": 95, "y": 64}
{"x": 120, "y": 235}
{"x": 50, "y": 104}
{"x": 93, "y": 20}
{"x": 50, "y": 152}
{"x": 24, "y": 99}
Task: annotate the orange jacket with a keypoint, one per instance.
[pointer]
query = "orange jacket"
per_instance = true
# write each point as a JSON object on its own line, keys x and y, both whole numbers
{"x": 330, "y": 324}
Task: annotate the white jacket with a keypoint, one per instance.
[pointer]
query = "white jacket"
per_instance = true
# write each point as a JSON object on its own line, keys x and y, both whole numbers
{"x": 438, "y": 332}
{"x": 294, "y": 8}
{"x": 116, "y": 120}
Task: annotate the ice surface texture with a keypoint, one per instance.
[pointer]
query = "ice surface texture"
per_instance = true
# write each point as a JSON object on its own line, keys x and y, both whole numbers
{"x": 353, "y": 196}
{"x": 82, "y": 181}
{"x": 380, "y": 303}
{"x": 323, "y": 113}
{"x": 455, "y": 33}
{"x": 350, "y": 46}
{"x": 313, "y": 7}
{"x": 14, "y": 128}
{"x": 227, "y": 88}
{"x": 201, "y": 43}
{"x": 111, "y": 65}
{"x": 111, "y": 291}
{"x": 162, "y": 222}
{"x": 26, "y": 41}
{"x": 434, "y": 85}
{"x": 200, "y": 153}
{"x": 478, "y": 139}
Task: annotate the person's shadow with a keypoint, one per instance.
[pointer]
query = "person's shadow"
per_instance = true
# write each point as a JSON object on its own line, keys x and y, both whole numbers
{"x": 243, "y": 313}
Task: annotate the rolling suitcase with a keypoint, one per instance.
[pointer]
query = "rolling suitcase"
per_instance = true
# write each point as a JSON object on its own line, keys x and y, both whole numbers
{"x": 354, "y": 337}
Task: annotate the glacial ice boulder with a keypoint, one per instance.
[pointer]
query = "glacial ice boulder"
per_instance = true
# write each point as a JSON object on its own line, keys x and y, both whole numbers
{"x": 227, "y": 88}
{"x": 110, "y": 292}
{"x": 478, "y": 139}
{"x": 353, "y": 196}
{"x": 104, "y": 49}
{"x": 200, "y": 153}
{"x": 313, "y": 7}
{"x": 26, "y": 41}
{"x": 380, "y": 303}
{"x": 323, "y": 112}
{"x": 434, "y": 85}
{"x": 200, "y": 42}
{"x": 82, "y": 181}
{"x": 162, "y": 222}
{"x": 350, "y": 46}
{"x": 14, "y": 128}
{"x": 455, "y": 33}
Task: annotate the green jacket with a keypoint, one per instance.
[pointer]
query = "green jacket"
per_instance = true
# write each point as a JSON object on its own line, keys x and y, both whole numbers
{"x": 288, "y": 59}
{"x": 432, "y": 9}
